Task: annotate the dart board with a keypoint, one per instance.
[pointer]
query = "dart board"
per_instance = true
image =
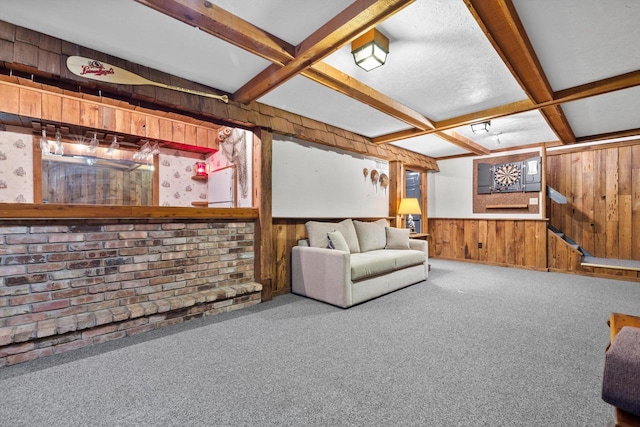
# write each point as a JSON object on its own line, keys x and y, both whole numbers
{"x": 507, "y": 177}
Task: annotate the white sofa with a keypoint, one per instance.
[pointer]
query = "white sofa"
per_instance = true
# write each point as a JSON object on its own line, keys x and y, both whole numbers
{"x": 371, "y": 260}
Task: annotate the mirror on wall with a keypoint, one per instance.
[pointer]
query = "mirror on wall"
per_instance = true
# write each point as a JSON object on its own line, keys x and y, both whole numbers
{"x": 94, "y": 175}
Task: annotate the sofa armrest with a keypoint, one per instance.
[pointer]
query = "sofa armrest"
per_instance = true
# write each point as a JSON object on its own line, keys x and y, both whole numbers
{"x": 323, "y": 274}
{"x": 419, "y": 245}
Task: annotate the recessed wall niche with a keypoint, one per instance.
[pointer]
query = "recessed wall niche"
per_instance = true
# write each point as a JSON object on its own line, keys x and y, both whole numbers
{"x": 96, "y": 176}
{"x": 508, "y": 184}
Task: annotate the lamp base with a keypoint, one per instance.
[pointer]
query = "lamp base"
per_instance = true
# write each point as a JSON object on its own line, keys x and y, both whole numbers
{"x": 411, "y": 224}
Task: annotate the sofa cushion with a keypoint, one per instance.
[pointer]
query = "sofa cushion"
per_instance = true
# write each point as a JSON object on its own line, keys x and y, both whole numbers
{"x": 337, "y": 242}
{"x": 317, "y": 233}
{"x": 621, "y": 378}
{"x": 397, "y": 238}
{"x": 371, "y": 235}
{"x": 407, "y": 258}
{"x": 373, "y": 263}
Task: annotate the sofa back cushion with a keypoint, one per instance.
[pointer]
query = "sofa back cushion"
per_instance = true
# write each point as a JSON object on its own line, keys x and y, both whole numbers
{"x": 397, "y": 238}
{"x": 317, "y": 233}
{"x": 371, "y": 235}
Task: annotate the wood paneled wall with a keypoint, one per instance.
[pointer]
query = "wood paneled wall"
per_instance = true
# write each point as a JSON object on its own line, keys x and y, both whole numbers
{"x": 513, "y": 242}
{"x": 286, "y": 233}
{"x": 561, "y": 256}
{"x": 100, "y": 113}
{"x": 602, "y": 186}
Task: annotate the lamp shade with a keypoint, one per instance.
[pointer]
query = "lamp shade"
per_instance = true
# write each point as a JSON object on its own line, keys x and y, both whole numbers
{"x": 409, "y": 206}
{"x": 370, "y": 50}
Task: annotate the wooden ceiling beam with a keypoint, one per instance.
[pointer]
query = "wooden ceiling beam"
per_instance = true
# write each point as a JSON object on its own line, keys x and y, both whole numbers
{"x": 502, "y": 26}
{"x": 587, "y": 90}
{"x": 467, "y": 119}
{"x": 599, "y": 87}
{"x": 610, "y": 135}
{"x": 335, "y": 79}
{"x": 357, "y": 18}
{"x": 224, "y": 25}
{"x": 488, "y": 114}
{"x": 463, "y": 142}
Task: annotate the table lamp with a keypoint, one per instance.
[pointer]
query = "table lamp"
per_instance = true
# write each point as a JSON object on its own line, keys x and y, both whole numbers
{"x": 409, "y": 206}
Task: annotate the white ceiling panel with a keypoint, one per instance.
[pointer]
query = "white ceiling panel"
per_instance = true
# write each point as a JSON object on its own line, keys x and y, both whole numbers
{"x": 311, "y": 99}
{"x": 131, "y": 31}
{"x": 512, "y": 131}
{"x": 274, "y": 16}
{"x": 605, "y": 113}
{"x": 440, "y": 63}
{"x": 430, "y": 145}
{"x": 581, "y": 41}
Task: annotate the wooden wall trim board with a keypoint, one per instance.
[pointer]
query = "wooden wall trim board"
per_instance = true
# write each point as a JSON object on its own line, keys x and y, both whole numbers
{"x": 38, "y": 103}
{"x": 24, "y": 211}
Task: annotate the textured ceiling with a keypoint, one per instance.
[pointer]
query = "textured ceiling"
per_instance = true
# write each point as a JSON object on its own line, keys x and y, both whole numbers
{"x": 446, "y": 63}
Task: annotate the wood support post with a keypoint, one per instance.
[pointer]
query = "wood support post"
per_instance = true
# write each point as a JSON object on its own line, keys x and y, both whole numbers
{"x": 264, "y": 253}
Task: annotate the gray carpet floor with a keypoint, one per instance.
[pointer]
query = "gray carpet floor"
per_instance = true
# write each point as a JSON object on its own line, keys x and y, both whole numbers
{"x": 472, "y": 346}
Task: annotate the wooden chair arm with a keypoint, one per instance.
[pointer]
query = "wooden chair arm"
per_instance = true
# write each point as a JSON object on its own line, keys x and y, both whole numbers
{"x": 618, "y": 320}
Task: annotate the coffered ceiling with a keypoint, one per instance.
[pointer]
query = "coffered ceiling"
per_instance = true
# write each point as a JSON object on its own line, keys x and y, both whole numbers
{"x": 544, "y": 71}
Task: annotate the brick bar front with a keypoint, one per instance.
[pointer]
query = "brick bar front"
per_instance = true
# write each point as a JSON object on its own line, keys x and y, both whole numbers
{"x": 65, "y": 285}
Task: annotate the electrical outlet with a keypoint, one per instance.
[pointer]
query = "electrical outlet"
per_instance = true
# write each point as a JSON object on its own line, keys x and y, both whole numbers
{"x": 479, "y": 245}
{"x": 533, "y": 201}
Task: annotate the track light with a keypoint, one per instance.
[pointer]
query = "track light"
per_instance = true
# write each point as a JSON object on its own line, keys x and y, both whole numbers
{"x": 481, "y": 127}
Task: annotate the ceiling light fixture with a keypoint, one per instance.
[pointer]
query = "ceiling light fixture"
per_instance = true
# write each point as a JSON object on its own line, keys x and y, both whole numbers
{"x": 496, "y": 137}
{"x": 482, "y": 127}
{"x": 370, "y": 50}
